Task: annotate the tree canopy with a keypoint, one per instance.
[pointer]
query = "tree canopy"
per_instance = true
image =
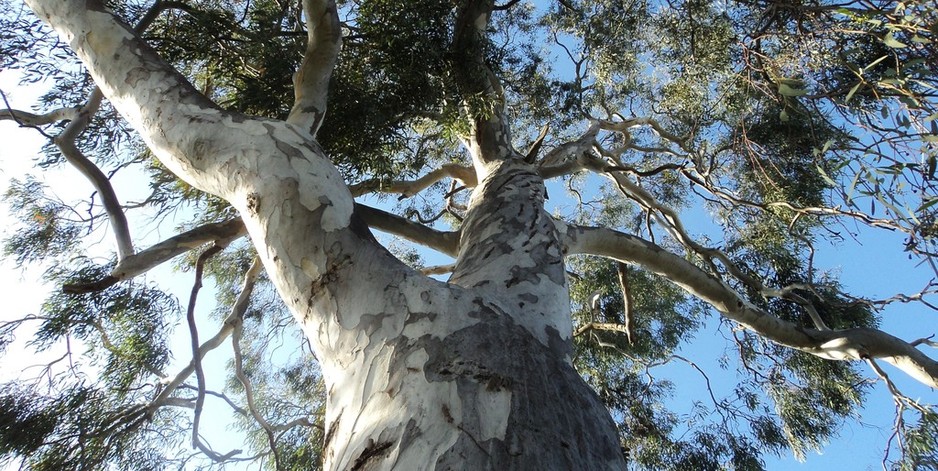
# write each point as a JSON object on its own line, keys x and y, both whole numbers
{"x": 702, "y": 154}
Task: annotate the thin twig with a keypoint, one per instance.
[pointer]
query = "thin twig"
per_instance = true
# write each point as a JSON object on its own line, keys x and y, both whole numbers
{"x": 194, "y": 336}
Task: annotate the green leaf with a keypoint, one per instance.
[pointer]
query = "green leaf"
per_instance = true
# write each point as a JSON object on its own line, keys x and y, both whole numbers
{"x": 911, "y": 102}
{"x": 873, "y": 64}
{"x": 852, "y": 91}
{"x": 927, "y": 205}
{"x": 786, "y": 90}
{"x": 888, "y": 205}
{"x": 890, "y": 40}
{"x": 824, "y": 175}
{"x": 852, "y": 187}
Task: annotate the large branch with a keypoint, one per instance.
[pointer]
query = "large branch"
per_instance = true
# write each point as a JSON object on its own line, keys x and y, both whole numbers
{"x": 293, "y": 201}
{"x": 847, "y": 344}
{"x": 145, "y": 260}
{"x": 311, "y": 81}
{"x": 178, "y": 123}
{"x": 445, "y": 242}
{"x": 489, "y": 137}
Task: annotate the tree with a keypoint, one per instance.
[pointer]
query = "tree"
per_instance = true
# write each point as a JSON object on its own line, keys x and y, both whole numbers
{"x": 780, "y": 119}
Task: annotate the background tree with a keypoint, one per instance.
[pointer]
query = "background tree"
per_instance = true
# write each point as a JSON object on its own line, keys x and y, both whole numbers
{"x": 784, "y": 124}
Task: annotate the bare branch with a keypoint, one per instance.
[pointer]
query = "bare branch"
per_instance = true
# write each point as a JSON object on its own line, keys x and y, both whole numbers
{"x": 847, "y": 344}
{"x": 672, "y": 222}
{"x": 625, "y": 125}
{"x": 927, "y": 341}
{"x": 901, "y": 399}
{"x": 506, "y": 6}
{"x": 445, "y": 242}
{"x": 410, "y": 188}
{"x": 66, "y": 143}
{"x": 613, "y": 327}
{"x": 249, "y": 391}
{"x": 808, "y": 210}
{"x": 27, "y": 119}
{"x": 237, "y": 312}
{"x": 153, "y": 256}
{"x": 194, "y": 336}
{"x": 622, "y": 270}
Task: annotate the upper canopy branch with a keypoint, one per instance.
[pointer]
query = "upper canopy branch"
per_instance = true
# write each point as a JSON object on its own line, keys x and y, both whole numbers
{"x": 820, "y": 211}
{"x": 410, "y": 188}
{"x": 66, "y": 142}
{"x": 25, "y": 118}
{"x": 311, "y": 81}
{"x": 848, "y": 344}
{"x": 145, "y": 260}
{"x": 489, "y": 136}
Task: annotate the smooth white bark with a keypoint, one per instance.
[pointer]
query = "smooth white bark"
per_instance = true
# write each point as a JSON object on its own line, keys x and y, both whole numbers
{"x": 311, "y": 81}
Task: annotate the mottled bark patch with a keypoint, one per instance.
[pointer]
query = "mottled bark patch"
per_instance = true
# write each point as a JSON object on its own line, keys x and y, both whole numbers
{"x": 522, "y": 405}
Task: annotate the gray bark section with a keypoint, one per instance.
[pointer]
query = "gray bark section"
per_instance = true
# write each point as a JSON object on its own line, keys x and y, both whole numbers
{"x": 556, "y": 421}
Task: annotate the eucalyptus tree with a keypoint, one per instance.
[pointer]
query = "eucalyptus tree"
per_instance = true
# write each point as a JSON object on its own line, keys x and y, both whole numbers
{"x": 258, "y": 123}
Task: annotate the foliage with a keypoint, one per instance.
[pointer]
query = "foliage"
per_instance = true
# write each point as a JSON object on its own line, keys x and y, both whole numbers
{"x": 785, "y": 122}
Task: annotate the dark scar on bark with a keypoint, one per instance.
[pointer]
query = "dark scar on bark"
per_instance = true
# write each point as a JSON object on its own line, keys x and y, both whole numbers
{"x": 372, "y": 451}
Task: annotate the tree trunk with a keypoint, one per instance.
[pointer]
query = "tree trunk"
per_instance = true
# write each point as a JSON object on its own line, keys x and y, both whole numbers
{"x": 461, "y": 386}
{"x": 471, "y": 374}
{"x": 476, "y": 374}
